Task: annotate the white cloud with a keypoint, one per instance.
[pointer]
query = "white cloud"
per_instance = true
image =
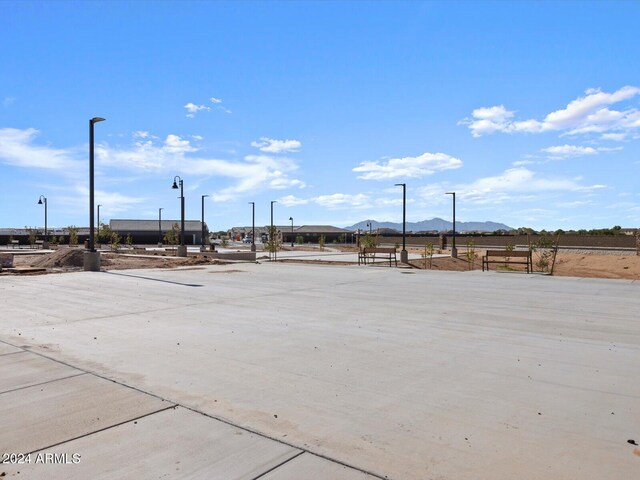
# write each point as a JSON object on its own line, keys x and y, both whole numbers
{"x": 17, "y": 148}
{"x": 568, "y": 151}
{"x": 407, "y": 167}
{"x": 586, "y": 114}
{"x": 336, "y": 200}
{"x": 215, "y": 100}
{"x": 192, "y": 109}
{"x": 175, "y": 144}
{"x": 616, "y": 137}
{"x": 514, "y": 184}
{"x": 292, "y": 201}
{"x": 282, "y": 182}
{"x": 271, "y": 145}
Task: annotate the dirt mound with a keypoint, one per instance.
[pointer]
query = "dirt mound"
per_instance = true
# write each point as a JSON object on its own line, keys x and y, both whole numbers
{"x": 65, "y": 257}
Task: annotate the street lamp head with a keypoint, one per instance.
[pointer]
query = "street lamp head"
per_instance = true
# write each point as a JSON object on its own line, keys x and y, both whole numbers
{"x": 291, "y": 218}
{"x": 401, "y": 184}
{"x": 450, "y": 193}
{"x": 97, "y": 119}
{"x": 175, "y": 185}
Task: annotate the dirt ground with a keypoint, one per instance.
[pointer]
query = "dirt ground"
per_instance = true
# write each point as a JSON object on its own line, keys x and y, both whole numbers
{"x": 590, "y": 264}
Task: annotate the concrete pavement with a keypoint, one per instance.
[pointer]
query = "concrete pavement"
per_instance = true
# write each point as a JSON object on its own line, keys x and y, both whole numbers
{"x": 400, "y": 373}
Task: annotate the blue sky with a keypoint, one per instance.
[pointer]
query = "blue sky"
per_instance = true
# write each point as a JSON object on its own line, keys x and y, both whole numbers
{"x": 530, "y": 111}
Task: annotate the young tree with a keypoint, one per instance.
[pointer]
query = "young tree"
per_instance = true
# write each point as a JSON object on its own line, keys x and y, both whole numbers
{"x": 172, "y": 237}
{"x": 73, "y": 235}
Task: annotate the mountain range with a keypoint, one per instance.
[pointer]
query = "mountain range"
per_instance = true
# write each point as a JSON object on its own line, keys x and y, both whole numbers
{"x": 435, "y": 224}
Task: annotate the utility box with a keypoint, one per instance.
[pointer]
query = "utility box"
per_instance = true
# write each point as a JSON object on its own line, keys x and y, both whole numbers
{"x": 6, "y": 260}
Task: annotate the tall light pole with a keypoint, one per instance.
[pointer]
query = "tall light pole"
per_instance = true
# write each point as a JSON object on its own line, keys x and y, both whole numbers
{"x": 253, "y": 226}
{"x": 271, "y": 233}
{"x": 454, "y": 250}
{"x": 404, "y": 256}
{"x": 98, "y": 222}
{"x": 369, "y": 225}
{"x": 160, "y": 227}
{"x": 291, "y": 218}
{"x": 45, "y": 244}
{"x": 92, "y": 258}
{"x": 182, "y": 249}
{"x": 202, "y": 249}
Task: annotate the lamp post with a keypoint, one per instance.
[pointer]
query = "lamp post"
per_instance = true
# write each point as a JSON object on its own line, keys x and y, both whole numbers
{"x": 253, "y": 226}
{"x": 454, "y": 250}
{"x": 160, "y": 227}
{"x": 291, "y": 218}
{"x": 45, "y": 244}
{"x": 182, "y": 249}
{"x": 202, "y": 248}
{"x": 91, "y": 257}
{"x": 369, "y": 225}
{"x": 404, "y": 256}
{"x": 271, "y": 233}
{"x": 98, "y": 222}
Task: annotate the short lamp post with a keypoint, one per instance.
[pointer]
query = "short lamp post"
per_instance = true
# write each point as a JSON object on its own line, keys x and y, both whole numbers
{"x": 45, "y": 243}
{"x": 404, "y": 256}
{"x": 291, "y": 218}
{"x": 253, "y": 226}
{"x": 182, "y": 248}
{"x": 91, "y": 257}
{"x": 202, "y": 246}
{"x": 160, "y": 227}
{"x": 369, "y": 225}
{"x": 454, "y": 250}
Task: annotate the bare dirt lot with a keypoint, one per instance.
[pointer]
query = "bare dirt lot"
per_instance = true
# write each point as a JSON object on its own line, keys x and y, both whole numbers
{"x": 583, "y": 264}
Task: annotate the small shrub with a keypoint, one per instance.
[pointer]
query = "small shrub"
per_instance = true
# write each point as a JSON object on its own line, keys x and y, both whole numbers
{"x": 471, "y": 254}
{"x": 73, "y": 235}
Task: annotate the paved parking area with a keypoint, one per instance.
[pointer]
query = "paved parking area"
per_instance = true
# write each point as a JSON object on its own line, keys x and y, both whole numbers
{"x": 285, "y": 371}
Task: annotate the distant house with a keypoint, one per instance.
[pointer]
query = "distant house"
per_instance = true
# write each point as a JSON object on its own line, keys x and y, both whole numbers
{"x": 148, "y": 231}
{"x": 308, "y": 233}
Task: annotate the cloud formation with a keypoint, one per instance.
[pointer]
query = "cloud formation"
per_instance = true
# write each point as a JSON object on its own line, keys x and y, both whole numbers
{"x": 513, "y": 184}
{"x": 407, "y": 167}
{"x": 192, "y": 109}
{"x": 569, "y": 151}
{"x": 271, "y": 145}
{"x": 17, "y": 148}
{"x": 587, "y": 114}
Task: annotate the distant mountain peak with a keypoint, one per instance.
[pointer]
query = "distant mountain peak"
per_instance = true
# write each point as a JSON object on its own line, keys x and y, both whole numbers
{"x": 435, "y": 224}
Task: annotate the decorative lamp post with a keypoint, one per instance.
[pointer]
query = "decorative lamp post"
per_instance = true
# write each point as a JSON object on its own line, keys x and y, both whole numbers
{"x": 182, "y": 249}
{"x": 91, "y": 257}
{"x": 454, "y": 250}
{"x": 404, "y": 256}
{"x": 45, "y": 244}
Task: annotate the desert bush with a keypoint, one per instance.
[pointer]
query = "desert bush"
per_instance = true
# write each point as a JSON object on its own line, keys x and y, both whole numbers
{"x": 73, "y": 235}
{"x": 172, "y": 237}
{"x": 428, "y": 254}
{"x": 471, "y": 254}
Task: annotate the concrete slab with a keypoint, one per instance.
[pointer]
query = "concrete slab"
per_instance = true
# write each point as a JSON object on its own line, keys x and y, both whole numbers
{"x": 20, "y": 370}
{"x": 44, "y": 415}
{"x": 428, "y": 375}
{"x": 302, "y": 466}
{"x": 175, "y": 443}
{"x": 6, "y": 348}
